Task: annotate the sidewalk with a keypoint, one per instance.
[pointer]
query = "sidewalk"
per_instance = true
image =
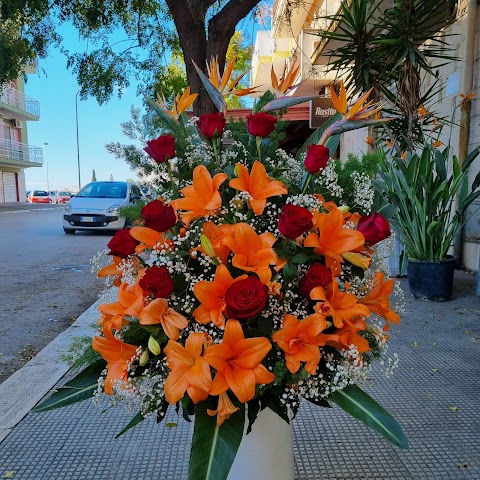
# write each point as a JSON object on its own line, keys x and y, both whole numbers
{"x": 434, "y": 394}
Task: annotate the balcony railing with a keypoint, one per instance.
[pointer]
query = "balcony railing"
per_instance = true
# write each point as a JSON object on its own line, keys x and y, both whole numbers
{"x": 20, "y": 152}
{"x": 13, "y": 97}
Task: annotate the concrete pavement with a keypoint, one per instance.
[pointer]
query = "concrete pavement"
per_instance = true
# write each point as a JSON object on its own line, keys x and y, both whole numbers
{"x": 433, "y": 394}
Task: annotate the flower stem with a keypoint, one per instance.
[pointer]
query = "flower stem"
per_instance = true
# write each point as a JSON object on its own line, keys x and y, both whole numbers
{"x": 307, "y": 182}
{"x": 169, "y": 170}
{"x": 215, "y": 151}
{"x": 259, "y": 148}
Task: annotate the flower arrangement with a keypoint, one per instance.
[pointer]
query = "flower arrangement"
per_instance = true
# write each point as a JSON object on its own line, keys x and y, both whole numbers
{"x": 238, "y": 290}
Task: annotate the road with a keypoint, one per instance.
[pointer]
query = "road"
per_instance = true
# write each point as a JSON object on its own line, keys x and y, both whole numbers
{"x": 45, "y": 279}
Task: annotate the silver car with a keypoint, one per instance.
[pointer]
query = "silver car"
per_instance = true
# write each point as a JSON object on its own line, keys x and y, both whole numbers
{"x": 95, "y": 206}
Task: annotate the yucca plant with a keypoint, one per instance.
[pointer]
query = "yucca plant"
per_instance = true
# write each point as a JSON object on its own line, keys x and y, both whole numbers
{"x": 391, "y": 50}
{"x": 423, "y": 194}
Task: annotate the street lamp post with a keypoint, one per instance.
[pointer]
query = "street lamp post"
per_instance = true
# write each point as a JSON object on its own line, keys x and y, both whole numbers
{"x": 46, "y": 164}
{"x": 78, "y": 143}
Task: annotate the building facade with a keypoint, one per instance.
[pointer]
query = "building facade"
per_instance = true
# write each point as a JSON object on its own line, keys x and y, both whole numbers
{"x": 293, "y": 41}
{"x": 16, "y": 109}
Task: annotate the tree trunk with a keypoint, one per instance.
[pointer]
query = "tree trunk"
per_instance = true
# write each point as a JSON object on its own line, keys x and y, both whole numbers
{"x": 189, "y": 17}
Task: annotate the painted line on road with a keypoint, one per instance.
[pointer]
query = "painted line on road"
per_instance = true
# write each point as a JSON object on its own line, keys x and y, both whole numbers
{"x": 20, "y": 392}
{"x": 34, "y": 210}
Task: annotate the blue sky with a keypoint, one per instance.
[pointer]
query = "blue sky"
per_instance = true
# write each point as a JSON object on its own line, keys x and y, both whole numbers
{"x": 98, "y": 125}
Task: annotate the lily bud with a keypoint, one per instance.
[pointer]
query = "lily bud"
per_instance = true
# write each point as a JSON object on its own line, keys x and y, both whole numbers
{"x": 357, "y": 259}
{"x": 236, "y": 171}
{"x": 207, "y": 246}
{"x": 143, "y": 358}
{"x": 154, "y": 346}
{"x": 344, "y": 208}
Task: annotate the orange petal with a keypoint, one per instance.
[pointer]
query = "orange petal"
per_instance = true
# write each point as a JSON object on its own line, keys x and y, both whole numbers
{"x": 175, "y": 385}
{"x": 241, "y": 382}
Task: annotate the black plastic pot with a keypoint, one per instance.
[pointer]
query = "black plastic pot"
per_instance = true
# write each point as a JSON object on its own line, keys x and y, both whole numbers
{"x": 431, "y": 280}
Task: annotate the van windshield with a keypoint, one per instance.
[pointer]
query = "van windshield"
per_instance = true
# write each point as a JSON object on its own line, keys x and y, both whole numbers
{"x": 104, "y": 190}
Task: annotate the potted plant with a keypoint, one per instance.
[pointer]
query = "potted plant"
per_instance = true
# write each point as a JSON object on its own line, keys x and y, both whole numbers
{"x": 429, "y": 206}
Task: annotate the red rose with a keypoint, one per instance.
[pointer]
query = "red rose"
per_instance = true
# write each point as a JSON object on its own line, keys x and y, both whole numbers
{"x": 317, "y": 275}
{"x": 157, "y": 281}
{"x": 122, "y": 244}
{"x": 159, "y": 216}
{"x": 212, "y": 124}
{"x": 161, "y": 148}
{"x": 245, "y": 298}
{"x": 294, "y": 221}
{"x": 375, "y": 228}
{"x": 261, "y": 124}
{"x": 317, "y": 158}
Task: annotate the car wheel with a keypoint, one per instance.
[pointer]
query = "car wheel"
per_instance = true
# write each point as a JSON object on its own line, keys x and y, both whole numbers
{"x": 69, "y": 231}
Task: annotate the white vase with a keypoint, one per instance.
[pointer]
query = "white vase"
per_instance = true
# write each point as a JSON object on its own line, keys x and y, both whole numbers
{"x": 266, "y": 453}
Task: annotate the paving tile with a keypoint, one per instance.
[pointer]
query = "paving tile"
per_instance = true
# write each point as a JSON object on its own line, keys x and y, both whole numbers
{"x": 77, "y": 442}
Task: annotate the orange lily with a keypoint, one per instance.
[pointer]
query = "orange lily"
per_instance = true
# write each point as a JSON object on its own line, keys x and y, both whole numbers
{"x": 202, "y": 198}
{"x": 359, "y": 110}
{"x": 237, "y": 361}
{"x": 348, "y": 335}
{"x": 286, "y": 81}
{"x": 341, "y": 306}
{"x": 300, "y": 341}
{"x": 220, "y": 82}
{"x": 333, "y": 240}
{"x": 369, "y": 141}
{"x": 180, "y": 104}
{"x": 377, "y": 299}
{"x": 130, "y": 303}
{"x": 112, "y": 270}
{"x": 224, "y": 410}
{"x": 211, "y": 295}
{"x": 150, "y": 238}
{"x": 389, "y": 143}
{"x": 117, "y": 354}
{"x": 252, "y": 252}
{"x": 436, "y": 144}
{"x": 258, "y": 184}
{"x": 158, "y": 311}
{"x": 216, "y": 233}
{"x": 189, "y": 372}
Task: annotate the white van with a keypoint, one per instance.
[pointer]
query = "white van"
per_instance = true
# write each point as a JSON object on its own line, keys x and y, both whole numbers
{"x": 95, "y": 206}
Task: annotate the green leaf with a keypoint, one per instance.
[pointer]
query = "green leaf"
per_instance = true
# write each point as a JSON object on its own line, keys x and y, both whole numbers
{"x": 80, "y": 388}
{"x": 300, "y": 258}
{"x": 215, "y": 95}
{"x": 214, "y": 447}
{"x": 169, "y": 122}
{"x": 360, "y": 405}
{"x": 252, "y": 412}
{"x": 289, "y": 271}
{"x": 316, "y": 135}
{"x": 321, "y": 402}
{"x": 134, "y": 421}
{"x": 285, "y": 102}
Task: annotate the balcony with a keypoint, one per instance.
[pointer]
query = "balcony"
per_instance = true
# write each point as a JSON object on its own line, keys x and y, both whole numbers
{"x": 17, "y": 105}
{"x": 20, "y": 154}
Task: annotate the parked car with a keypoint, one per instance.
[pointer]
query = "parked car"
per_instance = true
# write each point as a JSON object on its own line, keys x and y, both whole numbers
{"x": 62, "y": 197}
{"x": 52, "y": 194}
{"x": 95, "y": 206}
{"x": 38, "y": 196}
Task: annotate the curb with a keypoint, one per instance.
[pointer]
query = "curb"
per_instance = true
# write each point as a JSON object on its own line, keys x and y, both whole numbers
{"x": 20, "y": 392}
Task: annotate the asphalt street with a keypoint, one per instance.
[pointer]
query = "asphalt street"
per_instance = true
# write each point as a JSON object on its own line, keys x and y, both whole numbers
{"x": 45, "y": 279}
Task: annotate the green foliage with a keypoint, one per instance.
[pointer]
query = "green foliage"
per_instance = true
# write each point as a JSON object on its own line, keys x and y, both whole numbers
{"x": 214, "y": 447}
{"x": 80, "y": 353}
{"x": 132, "y": 212}
{"x": 80, "y": 388}
{"x": 423, "y": 194}
{"x": 363, "y": 407}
{"x": 390, "y": 51}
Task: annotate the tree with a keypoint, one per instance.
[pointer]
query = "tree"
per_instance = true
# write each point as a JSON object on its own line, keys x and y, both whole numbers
{"x": 94, "y": 177}
{"x": 390, "y": 51}
{"x": 201, "y": 28}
